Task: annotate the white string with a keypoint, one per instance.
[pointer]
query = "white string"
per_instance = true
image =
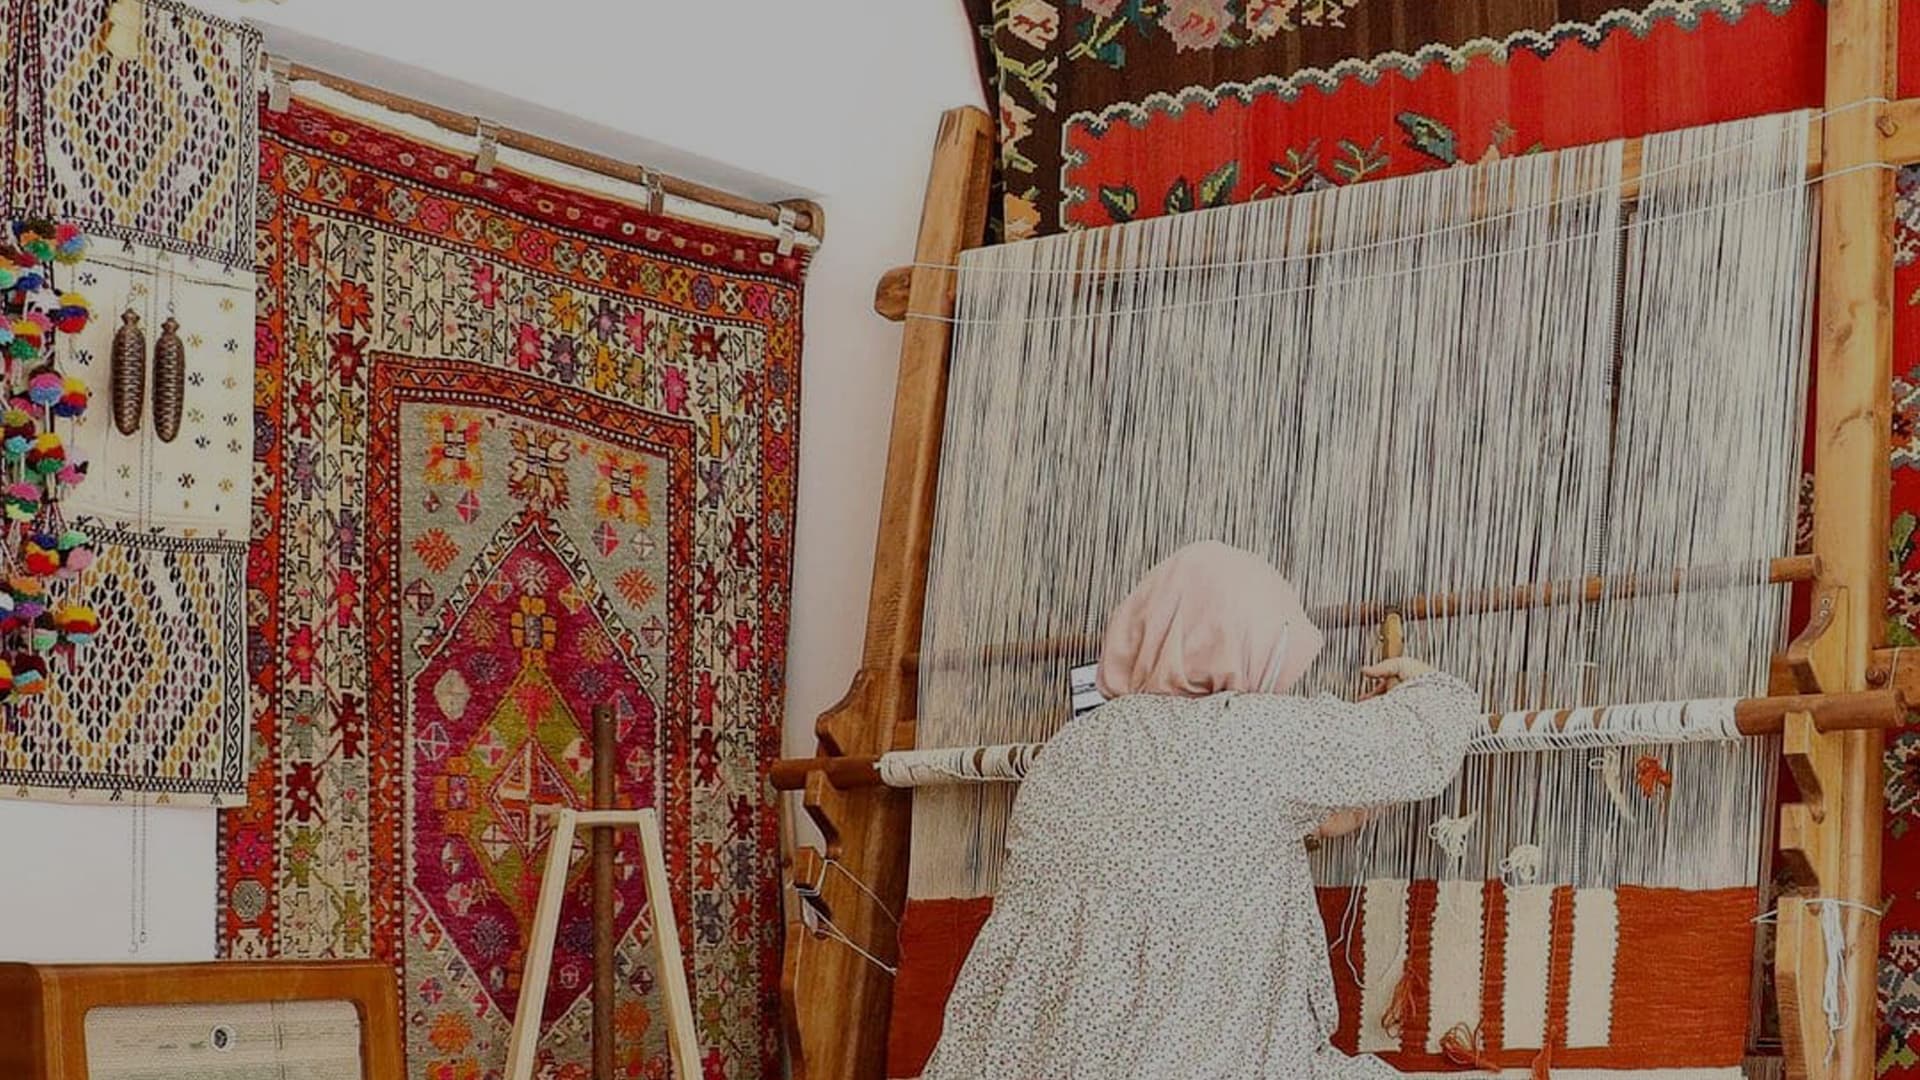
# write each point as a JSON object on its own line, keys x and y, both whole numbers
{"x": 819, "y": 924}
{"x": 1396, "y": 389}
{"x": 959, "y": 765}
{"x": 1643, "y": 725}
{"x": 835, "y": 864}
{"x": 1451, "y": 834}
{"x": 1833, "y": 941}
{"x": 1098, "y": 272}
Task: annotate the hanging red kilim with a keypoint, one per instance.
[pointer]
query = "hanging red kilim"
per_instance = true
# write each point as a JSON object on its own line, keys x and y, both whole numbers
{"x": 522, "y": 451}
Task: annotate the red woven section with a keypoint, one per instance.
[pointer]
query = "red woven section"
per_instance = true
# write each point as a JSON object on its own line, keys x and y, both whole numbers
{"x": 1679, "y": 996}
{"x": 935, "y": 937}
{"x": 1493, "y": 966}
{"x": 1346, "y": 958}
{"x": 1423, "y": 900}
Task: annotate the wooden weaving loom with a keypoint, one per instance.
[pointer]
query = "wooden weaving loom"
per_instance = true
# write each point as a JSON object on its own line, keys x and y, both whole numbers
{"x": 1833, "y": 689}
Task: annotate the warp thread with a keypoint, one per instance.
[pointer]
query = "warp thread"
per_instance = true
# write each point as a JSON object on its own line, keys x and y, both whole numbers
{"x": 1607, "y": 764}
{"x": 1522, "y": 865}
{"x": 1451, "y": 834}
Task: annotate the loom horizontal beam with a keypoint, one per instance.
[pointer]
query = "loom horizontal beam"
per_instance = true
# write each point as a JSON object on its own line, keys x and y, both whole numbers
{"x": 807, "y": 216}
{"x": 1782, "y": 571}
{"x": 1866, "y": 709}
{"x": 1898, "y": 122}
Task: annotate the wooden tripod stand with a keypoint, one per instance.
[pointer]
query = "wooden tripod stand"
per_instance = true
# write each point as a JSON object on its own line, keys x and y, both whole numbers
{"x": 683, "y": 1042}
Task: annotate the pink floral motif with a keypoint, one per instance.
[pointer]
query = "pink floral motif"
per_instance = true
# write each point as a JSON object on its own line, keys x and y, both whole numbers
{"x": 1196, "y": 24}
{"x": 1265, "y": 18}
{"x": 674, "y": 388}
{"x": 636, "y": 328}
{"x": 1036, "y": 22}
{"x": 435, "y": 215}
{"x": 530, "y": 349}
{"x": 1101, "y": 8}
{"x": 485, "y": 288}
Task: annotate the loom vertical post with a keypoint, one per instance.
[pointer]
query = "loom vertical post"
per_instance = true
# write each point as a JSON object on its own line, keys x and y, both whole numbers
{"x": 835, "y": 1004}
{"x": 605, "y": 797}
{"x": 1838, "y": 837}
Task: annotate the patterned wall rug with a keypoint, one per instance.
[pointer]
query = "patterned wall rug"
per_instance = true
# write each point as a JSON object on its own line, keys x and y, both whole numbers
{"x": 521, "y": 452}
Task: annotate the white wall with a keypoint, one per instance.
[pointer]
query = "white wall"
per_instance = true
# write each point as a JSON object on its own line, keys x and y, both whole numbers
{"x": 830, "y": 99}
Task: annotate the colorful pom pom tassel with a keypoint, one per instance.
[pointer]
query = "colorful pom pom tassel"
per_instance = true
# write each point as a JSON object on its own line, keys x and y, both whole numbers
{"x": 69, "y": 243}
{"x": 47, "y": 455}
{"x": 73, "y": 399}
{"x": 17, "y": 432}
{"x": 74, "y": 471}
{"x": 77, "y": 623}
{"x": 21, "y": 501}
{"x": 45, "y": 386}
{"x": 29, "y": 675}
{"x": 72, "y": 314}
{"x": 39, "y": 556}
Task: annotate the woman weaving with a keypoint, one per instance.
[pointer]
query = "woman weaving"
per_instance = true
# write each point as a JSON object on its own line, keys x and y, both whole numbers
{"x": 1156, "y": 919}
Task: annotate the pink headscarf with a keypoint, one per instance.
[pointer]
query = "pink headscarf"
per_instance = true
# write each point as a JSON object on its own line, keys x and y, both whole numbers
{"x": 1208, "y": 618}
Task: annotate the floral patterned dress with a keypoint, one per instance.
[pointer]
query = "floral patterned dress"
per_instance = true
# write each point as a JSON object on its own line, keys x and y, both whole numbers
{"x": 1156, "y": 919}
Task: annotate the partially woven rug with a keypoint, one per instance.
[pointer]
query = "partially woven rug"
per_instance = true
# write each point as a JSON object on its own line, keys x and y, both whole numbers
{"x": 521, "y": 451}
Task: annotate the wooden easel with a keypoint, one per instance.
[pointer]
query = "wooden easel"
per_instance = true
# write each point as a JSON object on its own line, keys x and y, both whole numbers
{"x": 836, "y": 1004}
{"x": 682, "y": 1041}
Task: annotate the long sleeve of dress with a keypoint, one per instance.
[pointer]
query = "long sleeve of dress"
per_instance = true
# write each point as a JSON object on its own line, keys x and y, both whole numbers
{"x": 1323, "y": 754}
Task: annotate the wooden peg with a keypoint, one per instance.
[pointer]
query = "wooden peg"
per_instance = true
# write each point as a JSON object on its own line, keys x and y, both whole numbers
{"x": 890, "y": 294}
{"x": 487, "y": 154}
{"x": 279, "y": 84}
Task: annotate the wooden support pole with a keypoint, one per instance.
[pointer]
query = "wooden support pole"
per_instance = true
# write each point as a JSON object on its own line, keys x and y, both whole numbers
{"x": 1835, "y": 835}
{"x": 835, "y": 1003}
{"x": 605, "y": 797}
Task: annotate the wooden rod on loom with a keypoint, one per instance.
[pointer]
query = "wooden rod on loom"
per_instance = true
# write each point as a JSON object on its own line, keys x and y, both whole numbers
{"x": 1782, "y": 571}
{"x": 890, "y": 291}
{"x": 1858, "y": 711}
{"x": 807, "y": 217}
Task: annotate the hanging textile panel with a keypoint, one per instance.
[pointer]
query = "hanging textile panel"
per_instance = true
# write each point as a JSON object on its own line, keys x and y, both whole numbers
{"x": 1112, "y": 110}
{"x": 135, "y": 120}
{"x": 157, "y": 706}
{"x": 1900, "y": 868}
{"x": 520, "y": 452}
{"x": 200, "y": 482}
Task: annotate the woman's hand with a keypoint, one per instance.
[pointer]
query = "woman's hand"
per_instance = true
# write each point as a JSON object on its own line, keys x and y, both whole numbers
{"x": 1340, "y": 824}
{"x": 1387, "y": 673}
